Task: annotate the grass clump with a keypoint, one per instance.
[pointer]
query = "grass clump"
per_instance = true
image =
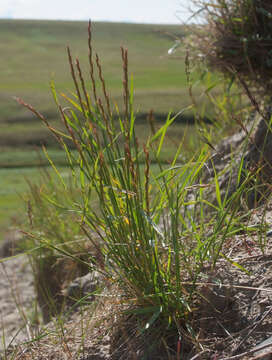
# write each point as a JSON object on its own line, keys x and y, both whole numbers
{"x": 156, "y": 229}
{"x": 238, "y": 41}
{"x": 59, "y": 252}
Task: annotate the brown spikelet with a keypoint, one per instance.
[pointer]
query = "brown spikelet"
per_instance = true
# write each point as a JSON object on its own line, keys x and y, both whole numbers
{"x": 147, "y": 168}
{"x": 124, "y": 53}
{"x": 91, "y": 61}
{"x": 70, "y": 60}
{"x": 102, "y": 80}
{"x": 83, "y": 86}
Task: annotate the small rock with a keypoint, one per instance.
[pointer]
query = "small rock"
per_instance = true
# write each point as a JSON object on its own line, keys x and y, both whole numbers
{"x": 269, "y": 233}
{"x": 82, "y": 286}
{"x": 266, "y": 354}
{"x": 11, "y": 244}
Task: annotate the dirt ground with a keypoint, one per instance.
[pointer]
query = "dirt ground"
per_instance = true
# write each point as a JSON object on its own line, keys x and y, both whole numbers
{"x": 17, "y": 301}
{"x": 236, "y": 315}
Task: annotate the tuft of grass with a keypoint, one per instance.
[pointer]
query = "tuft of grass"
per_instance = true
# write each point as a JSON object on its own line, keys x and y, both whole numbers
{"x": 237, "y": 41}
{"x": 157, "y": 231}
{"x": 59, "y": 252}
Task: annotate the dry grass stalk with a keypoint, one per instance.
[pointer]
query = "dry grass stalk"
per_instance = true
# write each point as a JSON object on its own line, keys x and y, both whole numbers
{"x": 238, "y": 38}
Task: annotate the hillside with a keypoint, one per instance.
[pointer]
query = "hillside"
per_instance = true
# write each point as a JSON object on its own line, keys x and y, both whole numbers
{"x": 33, "y": 53}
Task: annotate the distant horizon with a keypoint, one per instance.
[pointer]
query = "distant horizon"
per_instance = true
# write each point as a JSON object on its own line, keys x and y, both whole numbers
{"x": 93, "y": 21}
{"x": 175, "y": 12}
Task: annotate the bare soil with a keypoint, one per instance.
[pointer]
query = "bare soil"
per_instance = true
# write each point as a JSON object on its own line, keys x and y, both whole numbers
{"x": 17, "y": 301}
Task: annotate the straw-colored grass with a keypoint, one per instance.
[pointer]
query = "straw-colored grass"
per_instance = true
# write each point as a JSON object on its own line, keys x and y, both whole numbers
{"x": 237, "y": 39}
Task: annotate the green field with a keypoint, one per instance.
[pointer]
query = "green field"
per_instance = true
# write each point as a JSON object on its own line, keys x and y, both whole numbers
{"x": 34, "y": 52}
